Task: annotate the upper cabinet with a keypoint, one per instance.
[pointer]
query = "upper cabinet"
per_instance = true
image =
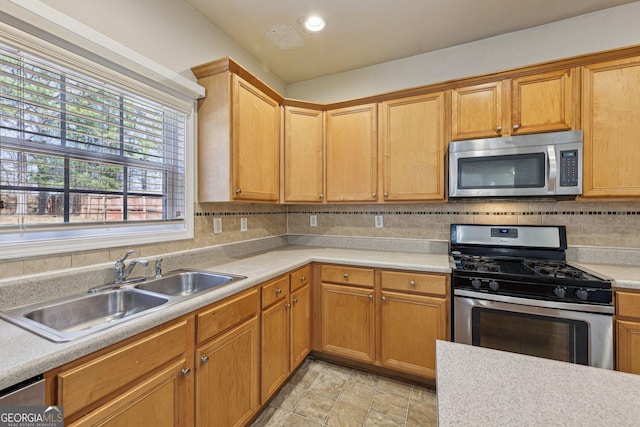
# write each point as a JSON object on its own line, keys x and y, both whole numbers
{"x": 303, "y": 153}
{"x": 533, "y": 103}
{"x": 611, "y": 125}
{"x": 238, "y": 137}
{"x": 413, "y": 142}
{"x": 352, "y": 154}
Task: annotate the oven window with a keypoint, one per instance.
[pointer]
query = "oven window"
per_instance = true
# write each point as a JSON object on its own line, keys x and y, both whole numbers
{"x": 549, "y": 337}
{"x": 513, "y": 171}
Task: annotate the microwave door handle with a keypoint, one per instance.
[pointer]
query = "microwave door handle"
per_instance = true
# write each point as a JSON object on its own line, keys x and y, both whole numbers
{"x": 551, "y": 155}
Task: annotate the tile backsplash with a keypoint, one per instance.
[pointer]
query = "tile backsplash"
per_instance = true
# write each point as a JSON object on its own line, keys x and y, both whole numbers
{"x": 589, "y": 224}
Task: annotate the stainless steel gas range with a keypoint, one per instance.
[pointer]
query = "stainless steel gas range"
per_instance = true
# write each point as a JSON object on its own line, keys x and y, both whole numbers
{"x": 514, "y": 291}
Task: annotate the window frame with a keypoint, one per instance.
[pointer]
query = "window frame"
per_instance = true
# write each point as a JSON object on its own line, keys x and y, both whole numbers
{"x": 73, "y": 237}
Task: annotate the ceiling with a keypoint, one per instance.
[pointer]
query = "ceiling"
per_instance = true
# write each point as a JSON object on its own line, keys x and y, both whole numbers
{"x": 360, "y": 33}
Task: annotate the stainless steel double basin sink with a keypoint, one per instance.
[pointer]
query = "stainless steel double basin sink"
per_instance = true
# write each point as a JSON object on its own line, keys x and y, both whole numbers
{"x": 69, "y": 318}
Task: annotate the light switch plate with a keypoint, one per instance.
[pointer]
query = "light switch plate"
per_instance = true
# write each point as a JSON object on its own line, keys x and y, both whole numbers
{"x": 243, "y": 224}
{"x": 217, "y": 225}
{"x": 379, "y": 221}
{"x": 313, "y": 220}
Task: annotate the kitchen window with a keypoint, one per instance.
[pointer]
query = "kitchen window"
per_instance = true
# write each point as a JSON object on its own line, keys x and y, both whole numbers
{"x": 86, "y": 162}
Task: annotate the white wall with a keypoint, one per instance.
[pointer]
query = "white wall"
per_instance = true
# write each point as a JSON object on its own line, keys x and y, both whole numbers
{"x": 609, "y": 29}
{"x": 169, "y": 32}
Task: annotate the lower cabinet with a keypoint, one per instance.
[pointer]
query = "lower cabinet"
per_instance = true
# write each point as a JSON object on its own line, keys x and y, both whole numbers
{"x": 145, "y": 380}
{"x": 383, "y": 317}
{"x": 628, "y": 331}
{"x": 228, "y": 365}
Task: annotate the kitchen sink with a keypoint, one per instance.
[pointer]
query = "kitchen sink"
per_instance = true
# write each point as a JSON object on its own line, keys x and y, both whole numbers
{"x": 69, "y": 318}
{"x": 188, "y": 282}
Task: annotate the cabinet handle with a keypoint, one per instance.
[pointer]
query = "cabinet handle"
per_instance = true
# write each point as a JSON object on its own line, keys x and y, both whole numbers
{"x": 499, "y": 129}
{"x": 516, "y": 127}
{"x": 238, "y": 191}
{"x": 287, "y": 305}
{"x": 204, "y": 359}
{"x": 346, "y": 276}
{"x": 185, "y": 372}
{"x": 295, "y": 300}
{"x": 384, "y": 298}
{"x": 386, "y": 194}
{"x": 302, "y": 278}
{"x": 373, "y": 194}
{"x": 321, "y": 196}
{"x": 412, "y": 283}
{"x": 370, "y": 296}
{"x": 278, "y": 291}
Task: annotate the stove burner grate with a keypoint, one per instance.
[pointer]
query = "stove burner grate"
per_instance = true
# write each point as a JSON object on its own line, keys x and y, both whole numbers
{"x": 480, "y": 263}
{"x": 553, "y": 269}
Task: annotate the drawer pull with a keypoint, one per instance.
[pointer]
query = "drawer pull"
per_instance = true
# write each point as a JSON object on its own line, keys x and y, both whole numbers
{"x": 278, "y": 291}
{"x": 204, "y": 359}
{"x": 384, "y": 298}
{"x": 287, "y": 305}
{"x": 370, "y": 296}
{"x": 346, "y": 276}
{"x": 185, "y": 372}
{"x": 295, "y": 300}
{"x": 412, "y": 283}
{"x": 302, "y": 278}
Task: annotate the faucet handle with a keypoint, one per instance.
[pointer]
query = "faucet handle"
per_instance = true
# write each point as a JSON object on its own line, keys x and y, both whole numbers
{"x": 129, "y": 252}
{"x": 158, "y": 267}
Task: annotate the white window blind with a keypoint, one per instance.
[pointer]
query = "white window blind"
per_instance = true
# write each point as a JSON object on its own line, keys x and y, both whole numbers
{"x": 76, "y": 150}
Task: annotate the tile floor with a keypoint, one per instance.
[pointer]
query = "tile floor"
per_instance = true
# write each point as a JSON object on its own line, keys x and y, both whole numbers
{"x": 324, "y": 394}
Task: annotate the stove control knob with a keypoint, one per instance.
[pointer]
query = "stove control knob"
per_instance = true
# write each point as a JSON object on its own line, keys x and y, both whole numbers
{"x": 476, "y": 283}
{"x": 583, "y": 294}
{"x": 560, "y": 291}
{"x": 493, "y": 285}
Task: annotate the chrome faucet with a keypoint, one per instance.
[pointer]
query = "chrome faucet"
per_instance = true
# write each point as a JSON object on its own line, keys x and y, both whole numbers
{"x": 123, "y": 271}
{"x": 158, "y": 268}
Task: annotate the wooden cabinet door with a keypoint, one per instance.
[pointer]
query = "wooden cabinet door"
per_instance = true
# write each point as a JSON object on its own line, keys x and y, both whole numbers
{"x": 628, "y": 346}
{"x": 160, "y": 400}
{"x": 300, "y": 325}
{"x": 256, "y": 144}
{"x": 227, "y": 378}
{"x": 303, "y": 151}
{"x": 542, "y": 102}
{"x": 477, "y": 111}
{"x": 352, "y": 154}
{"x": 611, "y": 125}
{"x": 410, "y": 325}
{"x": 412, "y": 136}
{"x": 347, "y": 327}
{"x": 275, "y": 347}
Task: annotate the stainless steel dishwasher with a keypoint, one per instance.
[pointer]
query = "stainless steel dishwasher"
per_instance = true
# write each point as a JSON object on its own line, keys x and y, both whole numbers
{"x": 26, "y": 393}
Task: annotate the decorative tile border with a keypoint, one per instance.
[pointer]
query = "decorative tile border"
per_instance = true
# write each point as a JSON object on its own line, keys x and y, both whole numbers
{"x": 444, "y": 213}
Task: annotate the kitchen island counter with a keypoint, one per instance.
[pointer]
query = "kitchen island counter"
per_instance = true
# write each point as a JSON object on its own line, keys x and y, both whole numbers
{"x": 484, "y": 387}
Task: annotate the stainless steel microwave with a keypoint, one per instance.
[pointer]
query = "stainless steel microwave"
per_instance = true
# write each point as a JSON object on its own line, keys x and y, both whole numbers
{"x": 538, "y": 165}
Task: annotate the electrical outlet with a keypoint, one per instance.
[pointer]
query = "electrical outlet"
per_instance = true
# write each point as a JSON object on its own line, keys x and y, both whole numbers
{"x": 217, "y": 225}
{"x": 313, "y": 220}
{"x": 243, "y": 224}
{"x": 379, "y": 221}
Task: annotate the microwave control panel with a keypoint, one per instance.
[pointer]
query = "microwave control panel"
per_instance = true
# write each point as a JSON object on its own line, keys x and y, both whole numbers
{"x": 569, "y": 168}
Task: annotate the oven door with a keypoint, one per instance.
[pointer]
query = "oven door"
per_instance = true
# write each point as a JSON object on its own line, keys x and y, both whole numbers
{"x": 575, "y": 333}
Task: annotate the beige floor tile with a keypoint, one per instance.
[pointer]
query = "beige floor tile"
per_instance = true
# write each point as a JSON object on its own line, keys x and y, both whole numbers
{"x": 327, "y": 385}
{"x": 314, "y": 406}
{"x": 304, "y": 376}
{"x": 288, "y": 397}
{"x": 364, "y": 377}
{"x": 358, "y": 394}
{"x": 422, "y": 413}
{"x": 271, "y": 417}
{"x": 346, "y": 415}
{"x": 422, "y": 393}
{"x": 375, "y": 419}
{"x": 295, "y": 420}
{"x": 390, "y": 404}
{"x": 333, "y": 370}
{"x": 394, "y": 387}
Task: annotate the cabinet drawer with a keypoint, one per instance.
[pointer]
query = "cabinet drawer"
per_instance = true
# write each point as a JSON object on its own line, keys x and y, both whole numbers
{"x": 274, "y": 291}
{"x": 90, "y": 382}
{"x": 226, "y": 315}
{"x": 627, "y": 304}
{"x": 300, "y": 277}
{"x": 414, "y": 282}
{"x": 347, "y": 275}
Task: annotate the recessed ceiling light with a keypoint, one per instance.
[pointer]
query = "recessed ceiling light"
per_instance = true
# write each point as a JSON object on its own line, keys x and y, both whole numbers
{"x": 314, "y": 23}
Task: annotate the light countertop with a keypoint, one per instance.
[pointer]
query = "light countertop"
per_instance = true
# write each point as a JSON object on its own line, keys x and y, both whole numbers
{"x": 483, "y": 387}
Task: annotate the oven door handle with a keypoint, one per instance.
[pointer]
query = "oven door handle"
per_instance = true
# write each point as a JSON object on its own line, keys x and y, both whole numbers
{"x": 585, "y": 308}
